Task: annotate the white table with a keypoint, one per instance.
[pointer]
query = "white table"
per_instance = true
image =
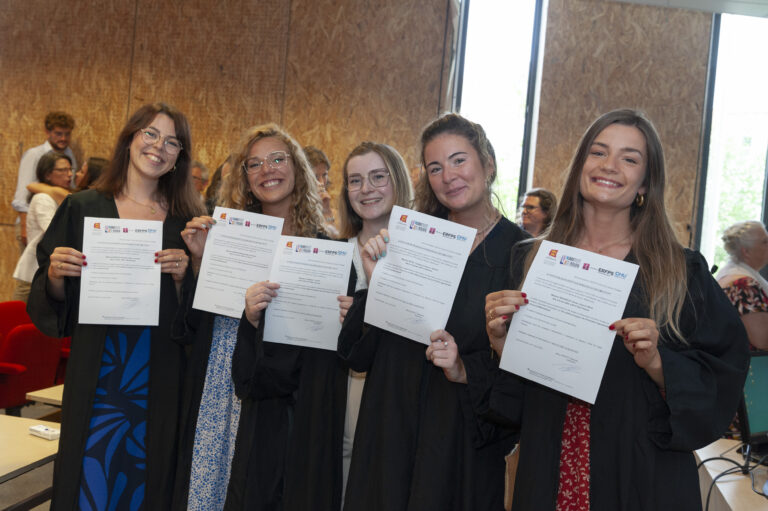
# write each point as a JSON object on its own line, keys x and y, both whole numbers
{"x": 732, "y": 492}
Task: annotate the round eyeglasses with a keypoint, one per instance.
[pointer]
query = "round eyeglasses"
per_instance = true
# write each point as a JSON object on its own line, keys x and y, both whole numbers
{"x": 378, "y": 178}
{"x": 150, "y": 136}
{"x": 274, "y": 160}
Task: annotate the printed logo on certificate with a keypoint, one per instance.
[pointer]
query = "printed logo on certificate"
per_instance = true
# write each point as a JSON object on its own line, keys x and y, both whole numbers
{"x": 561, "y": 338}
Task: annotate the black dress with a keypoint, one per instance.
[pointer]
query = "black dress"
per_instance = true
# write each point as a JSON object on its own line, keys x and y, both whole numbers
{"x": 289, "y": 445}
{"x": 640, "y": 442}
{"x": 418, "y": 444}
{"x": 96, "y": 351}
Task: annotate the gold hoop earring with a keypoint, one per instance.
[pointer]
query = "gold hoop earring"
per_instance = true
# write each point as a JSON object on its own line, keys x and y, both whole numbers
{"x": 639, "y": 200}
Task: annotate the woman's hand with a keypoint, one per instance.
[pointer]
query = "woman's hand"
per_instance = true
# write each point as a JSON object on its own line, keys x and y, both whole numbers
{"x": 345, "y": 302}
{"x": 173, "y": 261}
{"x": 373, "y": 250}
{"x": 257, "y": 297}
{"x": 194, "y": 235}
{"x": 444, "y": 353}
{"x": 65, "y": 262}
{"x": 641, "y": 339}
{"x": 499, "y": 307}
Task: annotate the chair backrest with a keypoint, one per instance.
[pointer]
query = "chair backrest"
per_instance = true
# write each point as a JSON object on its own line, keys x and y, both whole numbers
{"x": 39, "y": 353}
{"x": 12, "y": 313}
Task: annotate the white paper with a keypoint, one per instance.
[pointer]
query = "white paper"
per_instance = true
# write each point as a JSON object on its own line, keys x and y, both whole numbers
{"x": 561, "y": 338}
{"x": 412, "y": 288}
{"x": 311, "y": 273}
{"x": 238, "y": 253}
{"x": 120, "y": 285}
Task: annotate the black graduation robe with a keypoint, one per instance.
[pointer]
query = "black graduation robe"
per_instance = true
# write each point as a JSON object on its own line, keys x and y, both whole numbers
{"x": 417, "y": 443}
{"x": 166, "y": 361}
{"x": 289, "y": 445}
{"x": 640, "y": 443}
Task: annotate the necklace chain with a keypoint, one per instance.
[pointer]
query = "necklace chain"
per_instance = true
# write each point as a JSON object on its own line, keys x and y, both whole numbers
{"x": 490, "y": 224}
{"x": 151, "y": 207}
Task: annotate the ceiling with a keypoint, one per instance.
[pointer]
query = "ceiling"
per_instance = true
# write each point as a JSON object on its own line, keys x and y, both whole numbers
{"x": 743, "y": 7}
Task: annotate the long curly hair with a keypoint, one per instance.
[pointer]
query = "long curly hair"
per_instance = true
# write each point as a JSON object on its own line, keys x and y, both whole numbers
{"x": 306, "y": 206}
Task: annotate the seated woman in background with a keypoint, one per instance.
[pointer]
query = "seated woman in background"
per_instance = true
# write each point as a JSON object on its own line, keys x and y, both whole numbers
{"x": 54, "y": 170}
{"x": 677, "y": 365}
{"x": 122, "y": 390}
{"x": 747, "y": 244}
{"x": 375, "y": 179}
{"x": 537, "y": 211}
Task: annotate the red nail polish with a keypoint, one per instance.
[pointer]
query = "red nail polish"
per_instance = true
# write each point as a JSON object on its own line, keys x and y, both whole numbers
{"x": 611, "y": 327}
{"x": 505, "y": 318}
{"x": 526, "y": 300}
{"x": 523, "y": 295}
{"x": 83, "y": 256}
{"x": 517, "y": 307}
{"x": 85, "y": 263}
{"x": 156, "y": 253}
{"x": 155, "y": 259}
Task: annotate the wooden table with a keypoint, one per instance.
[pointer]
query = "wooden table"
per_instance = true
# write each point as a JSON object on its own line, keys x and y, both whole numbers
{"x": 732, "y": 492}
{"x": 49, "y": 396}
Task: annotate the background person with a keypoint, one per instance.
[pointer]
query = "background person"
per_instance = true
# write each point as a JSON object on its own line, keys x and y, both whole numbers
{"x": 58, "y": 132}
{"x": 199, "y": 175}
{"x": 537, "y": 211}
{"x": 677, "y": 365}
{"x": 122, "y": 389}
{"x": 55, "y": 171}
{"x": 747, "y": 245}
{"x": 321, "y": 166}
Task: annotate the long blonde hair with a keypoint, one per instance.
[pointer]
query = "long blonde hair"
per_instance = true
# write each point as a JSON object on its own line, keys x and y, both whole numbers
{"x": 660, "y": 256}
{"x": 306, "y": 205}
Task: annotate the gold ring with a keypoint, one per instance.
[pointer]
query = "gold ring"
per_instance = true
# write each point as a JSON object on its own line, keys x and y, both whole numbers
{"x": 59, "y": 266}
{"x": 492, "y": 314}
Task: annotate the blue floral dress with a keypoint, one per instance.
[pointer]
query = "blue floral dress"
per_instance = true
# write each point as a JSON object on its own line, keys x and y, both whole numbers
{"x": 217, "y": 423}
{"x": 114, "y": 462}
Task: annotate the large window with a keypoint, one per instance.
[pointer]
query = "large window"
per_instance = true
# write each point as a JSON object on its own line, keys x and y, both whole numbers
{"x": 495, "y": 87}
{"x": 736, "y": 169}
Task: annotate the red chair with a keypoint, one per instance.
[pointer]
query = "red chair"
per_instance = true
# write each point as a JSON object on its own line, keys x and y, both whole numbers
{"x": 61, "y": 371}
{"x": 12, "y": 313}
{"x": 28, "y": 361}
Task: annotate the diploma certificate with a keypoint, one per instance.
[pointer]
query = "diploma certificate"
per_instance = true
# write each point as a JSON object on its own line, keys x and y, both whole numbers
{"x": 121, "y": 283}
{"x": 311, "y": 273}
{"x": 412, "y": 288}
{"x": 561, "y": 338}
{"x": 238, "y": 252}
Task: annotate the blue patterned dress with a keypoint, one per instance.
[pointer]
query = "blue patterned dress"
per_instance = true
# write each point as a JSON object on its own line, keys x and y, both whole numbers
{"x": 217, "y": 422}
{"x": 114, "y": 462}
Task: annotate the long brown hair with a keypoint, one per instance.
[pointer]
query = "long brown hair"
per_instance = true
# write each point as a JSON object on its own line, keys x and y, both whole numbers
{"x": 306, "y": 205}
{"x": 454, "y": 124}
{"x": 349, "y": 220}
{"x": 175, "y": 189}
{"x": 659, "y": 254}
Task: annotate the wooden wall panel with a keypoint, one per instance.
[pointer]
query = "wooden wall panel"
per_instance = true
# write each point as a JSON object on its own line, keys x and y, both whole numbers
{"x": 71, "y": 56}
{"x": 603, "y": 55}
{"x": 223, "y": 67}
{"x": 363, "y": 70}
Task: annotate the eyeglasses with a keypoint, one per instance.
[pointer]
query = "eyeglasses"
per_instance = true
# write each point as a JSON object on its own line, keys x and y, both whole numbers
{"x": 377, "y": 178}
{"x": 275, "y": 160}
{"x": 150, "y": 136}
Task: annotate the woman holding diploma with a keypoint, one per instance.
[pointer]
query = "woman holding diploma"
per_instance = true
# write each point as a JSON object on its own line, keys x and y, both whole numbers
{"x": 233, "y": 453}
{"x": 121, "y": 395}
{"x": 678, "y": 362}
{"x": 375, "y": 179}
{"x": 417, "y": 445}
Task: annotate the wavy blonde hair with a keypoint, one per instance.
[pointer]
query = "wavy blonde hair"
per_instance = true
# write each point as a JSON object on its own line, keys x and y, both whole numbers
{"x": 306, "y": 205}
{"x": 660, "y": 256}
{"x": 349, "y": 220}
